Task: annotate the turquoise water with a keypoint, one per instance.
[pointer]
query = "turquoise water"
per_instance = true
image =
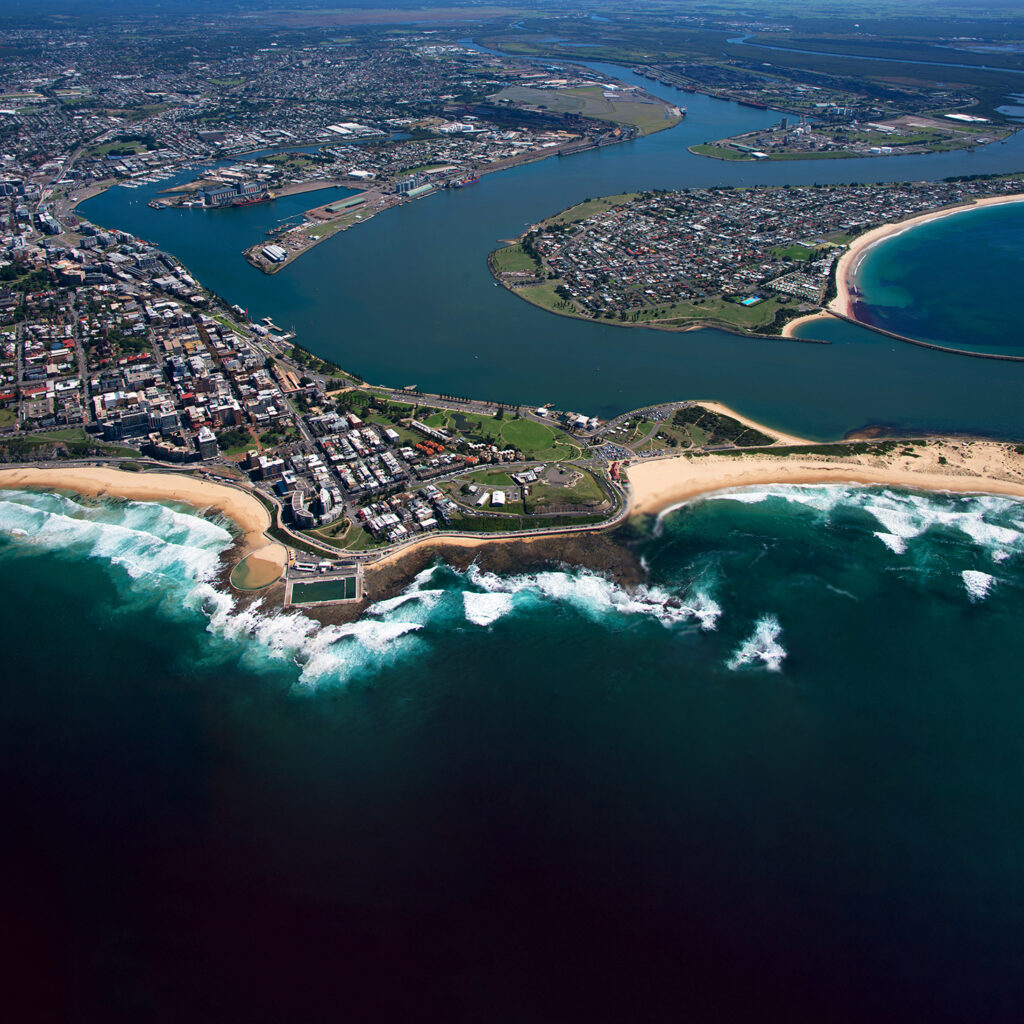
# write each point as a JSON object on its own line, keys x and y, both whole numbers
{"x": 783, "y": 778}
{"x": 953, "y": 281}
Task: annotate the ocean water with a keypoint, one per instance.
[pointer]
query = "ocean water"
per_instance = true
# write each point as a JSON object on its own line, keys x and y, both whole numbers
{"x": 952, "y": 281}
{"x": 782, "y": 778}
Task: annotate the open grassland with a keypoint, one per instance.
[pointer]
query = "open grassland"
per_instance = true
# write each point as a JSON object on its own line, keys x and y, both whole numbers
{"x": 593, "y": 101}
{"x": 590, "y": 208}
{"x": 534, "y": 440}
{"x": 74, "y": 439}
{"x": 715, "y": 310}
{"x": 719, "y": 152}
{"x": 513, "y": 260}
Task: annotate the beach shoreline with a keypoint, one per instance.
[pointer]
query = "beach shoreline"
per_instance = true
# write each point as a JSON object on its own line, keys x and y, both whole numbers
{"x": 245, "y": 510}
{"x": 789, "y": 330}
{"x": 850, "y": 261}
{"x": 967, "y": 467}
{"x": 764, "y": 428}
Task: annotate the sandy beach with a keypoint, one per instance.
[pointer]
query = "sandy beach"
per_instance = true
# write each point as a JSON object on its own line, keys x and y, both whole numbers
{"x": 969, "y": 466}
{"x": 850, "y": 260}
{"x": 789, "y": 330}
{"x": 246, "y": 511}
{"x": 725, "y": 410}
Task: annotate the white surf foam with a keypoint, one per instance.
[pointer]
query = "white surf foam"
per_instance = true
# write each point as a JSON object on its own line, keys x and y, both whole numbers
{"x": 428, "y": 598}
{"x": 131, "y": 539}
{"x": 761, "y": 646}
{"x": 483, "y": 609}
{"x": 596, "y": 597}
{"x": 978, "y": 584}
{"x": 991, "y": 521}
{"x": 820, "y": 497}
{"x": 895, "y": 544}
{"x": 322, "y": 653}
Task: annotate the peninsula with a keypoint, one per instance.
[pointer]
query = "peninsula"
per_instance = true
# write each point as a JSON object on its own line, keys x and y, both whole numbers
{"x": 749, "y": 260}
{"x": 645, "y": 466}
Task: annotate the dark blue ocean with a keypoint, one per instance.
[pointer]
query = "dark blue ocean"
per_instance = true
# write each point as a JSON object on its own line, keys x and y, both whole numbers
{"x": 781, "y": 779}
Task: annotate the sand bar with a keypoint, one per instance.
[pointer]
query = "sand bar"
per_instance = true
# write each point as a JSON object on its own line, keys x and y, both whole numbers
{"x": 724, "y": 410}
{"x": 245, "y": 510}
{"x": 975, "y": 467}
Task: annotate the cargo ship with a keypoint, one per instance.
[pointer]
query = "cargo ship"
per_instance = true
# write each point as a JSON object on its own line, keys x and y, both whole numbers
{"x": 267, "y": 197}
{"x": 466, "y": 181}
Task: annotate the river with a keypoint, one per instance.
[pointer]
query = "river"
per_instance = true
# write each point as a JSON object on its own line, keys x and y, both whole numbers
{"x": 407, "y": 299}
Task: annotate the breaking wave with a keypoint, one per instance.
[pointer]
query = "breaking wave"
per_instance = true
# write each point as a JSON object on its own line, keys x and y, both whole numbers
{"x": 978, "y": 584}
{"x": 173, "y": 557}
{"x": 176, "y": 556}
{"x": 989, "y": 521}
{"x": 483, "y": 609}
{"x": 144, "y": 539}
{"x": 761, "y": 646}
{"x": 595, "y": 596}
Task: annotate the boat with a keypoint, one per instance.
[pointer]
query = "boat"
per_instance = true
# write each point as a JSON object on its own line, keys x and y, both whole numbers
{"x": 466, "y": 181}
{"x": 254, "y": 200}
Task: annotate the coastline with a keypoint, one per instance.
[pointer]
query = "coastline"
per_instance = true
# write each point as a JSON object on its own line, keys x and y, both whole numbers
{"x": 725, "y": 410}
{"x": 850, "y": 261}
{"x": 972, "y": 467}
{"x": 808, "y": 318}
{"x": 244, "y": 510}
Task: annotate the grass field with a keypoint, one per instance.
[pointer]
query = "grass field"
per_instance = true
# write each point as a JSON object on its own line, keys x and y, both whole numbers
{"x": 793, "y": 252}
{"x": 526, "y": 435}
{"x": 119, "y": 145}
{"x": 76, "y": 440}
{"x": 582, "y": 491}
{"x": 590, "y": 208}
{"x": 681, "y": 314}
{"x": 544, "y": 295}
{"x": 534, "y": 440}
{"x": 512, "y": 259}
{"x": 489, "y": 478}
{"x": 590, "y": 101}
{"x": 717, "y": 309}
{"x": 719, "y": 152}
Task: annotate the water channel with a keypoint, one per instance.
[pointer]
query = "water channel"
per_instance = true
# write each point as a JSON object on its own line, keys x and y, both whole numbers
{"x": 406, "y": 299}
